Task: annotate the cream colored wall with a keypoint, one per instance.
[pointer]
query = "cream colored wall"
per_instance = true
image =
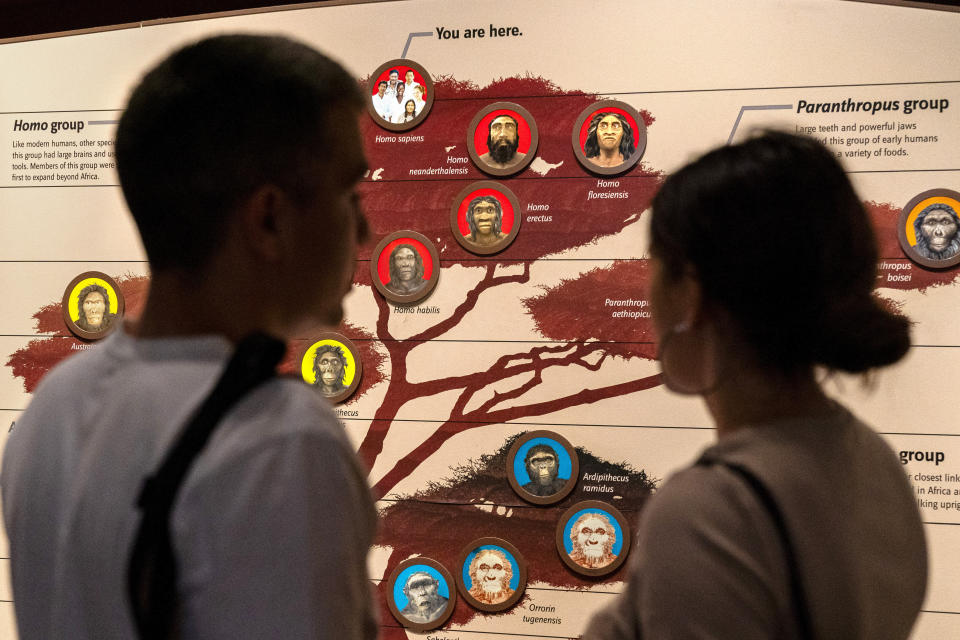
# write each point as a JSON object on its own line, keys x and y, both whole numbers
{"x": 692, "y": 63}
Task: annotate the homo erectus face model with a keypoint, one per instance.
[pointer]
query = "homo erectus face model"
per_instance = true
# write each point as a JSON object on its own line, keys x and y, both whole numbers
{"x": 485, "y": 219}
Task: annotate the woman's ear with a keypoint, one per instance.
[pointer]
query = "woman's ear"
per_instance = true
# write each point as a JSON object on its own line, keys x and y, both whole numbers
{"x": 687, "y": 298}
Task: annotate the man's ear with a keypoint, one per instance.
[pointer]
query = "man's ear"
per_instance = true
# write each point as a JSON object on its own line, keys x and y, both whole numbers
{"x": 261, "y": 219}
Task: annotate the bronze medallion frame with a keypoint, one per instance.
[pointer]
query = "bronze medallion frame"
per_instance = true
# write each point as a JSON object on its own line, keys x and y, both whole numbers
{"x": 628, "y": 163}
{"x": 574, "y": 472}
{"x": 408, "y": 298}
{"x": 455, "y": 218}
{"x": 347, "y": 344}
{"x": 607, "y": 509}
{"x": 428, "y": 103}
{"x": 531, "y": 152}
{"x": 451, "y": 588}
{"x": 902, "y": 220}
{"x": 65, "y": 306}
{"x": 521, "y": 572}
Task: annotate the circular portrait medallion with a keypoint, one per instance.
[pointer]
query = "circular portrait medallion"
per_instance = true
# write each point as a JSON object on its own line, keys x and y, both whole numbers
{"x": 502, "y": 139}
{"x": 401, "y": 95}
{"x": 593, "y": 538}
{"x": 929, "y": 228}
{"x": 405, "y": 267}
{"x": 420, "y": 594}
{"x": 332, "y": 364}
{"x": 542, "y": 467}
{"x": 609, "y": 137}
{"x": 492, "y": 574}
{"x": 485, "y": 217}
{"x": 92, "y": 305}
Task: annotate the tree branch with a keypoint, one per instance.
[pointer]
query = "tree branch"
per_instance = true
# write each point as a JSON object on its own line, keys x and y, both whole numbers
{"x": 406, "y": 465}
{"x": 488, "y": 282}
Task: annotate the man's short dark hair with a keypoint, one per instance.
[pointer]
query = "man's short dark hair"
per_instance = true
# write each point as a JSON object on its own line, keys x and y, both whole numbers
{"x": 382, "y": 83}
{"x": 216, "y": 120}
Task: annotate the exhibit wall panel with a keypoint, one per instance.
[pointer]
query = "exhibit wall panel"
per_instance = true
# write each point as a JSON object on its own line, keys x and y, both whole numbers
{"x": 553, "y": 331}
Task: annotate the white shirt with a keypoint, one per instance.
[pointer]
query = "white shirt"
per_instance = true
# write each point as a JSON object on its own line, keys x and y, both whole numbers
{"x": 408, "y": 88}
{"x": 397, "y": 108}
{"x": 382, "y": 105}
{"x": 270, "y": 530}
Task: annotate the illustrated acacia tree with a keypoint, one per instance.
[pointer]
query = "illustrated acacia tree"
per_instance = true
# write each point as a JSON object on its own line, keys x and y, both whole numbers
{"x": 477, "y": 496}
{"x": 397, "y": 202}
{"x": 575, "y": 335}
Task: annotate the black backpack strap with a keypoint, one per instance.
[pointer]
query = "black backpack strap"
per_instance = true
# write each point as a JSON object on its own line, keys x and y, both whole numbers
{"x": 797, "y": 592}
{"x": 152, "y": 571}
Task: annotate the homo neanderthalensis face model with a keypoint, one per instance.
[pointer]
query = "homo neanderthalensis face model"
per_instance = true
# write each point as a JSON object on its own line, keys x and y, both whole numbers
{"x": 502, "y": 139}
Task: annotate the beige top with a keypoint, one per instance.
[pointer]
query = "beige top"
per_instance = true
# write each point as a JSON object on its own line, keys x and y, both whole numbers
{"x": 709, "y": 562}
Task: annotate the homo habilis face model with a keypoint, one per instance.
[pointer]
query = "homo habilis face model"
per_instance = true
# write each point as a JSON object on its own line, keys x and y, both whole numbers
{"x": 593, "y": 537}
{"x": 330, "y": 366}
{"x": 937, "y": 229}
{"x": 406, "y": 270}
{"x": 503, "y": 140}
{"x": 543, "y": 466}
{"x": 424, "y": 602}
{"x": 491, "y": 572}
{"x": 609, "y": 139}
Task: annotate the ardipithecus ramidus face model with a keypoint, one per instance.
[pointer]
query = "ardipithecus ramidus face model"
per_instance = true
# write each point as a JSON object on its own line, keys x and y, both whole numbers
{"x": 542, "y": 464}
